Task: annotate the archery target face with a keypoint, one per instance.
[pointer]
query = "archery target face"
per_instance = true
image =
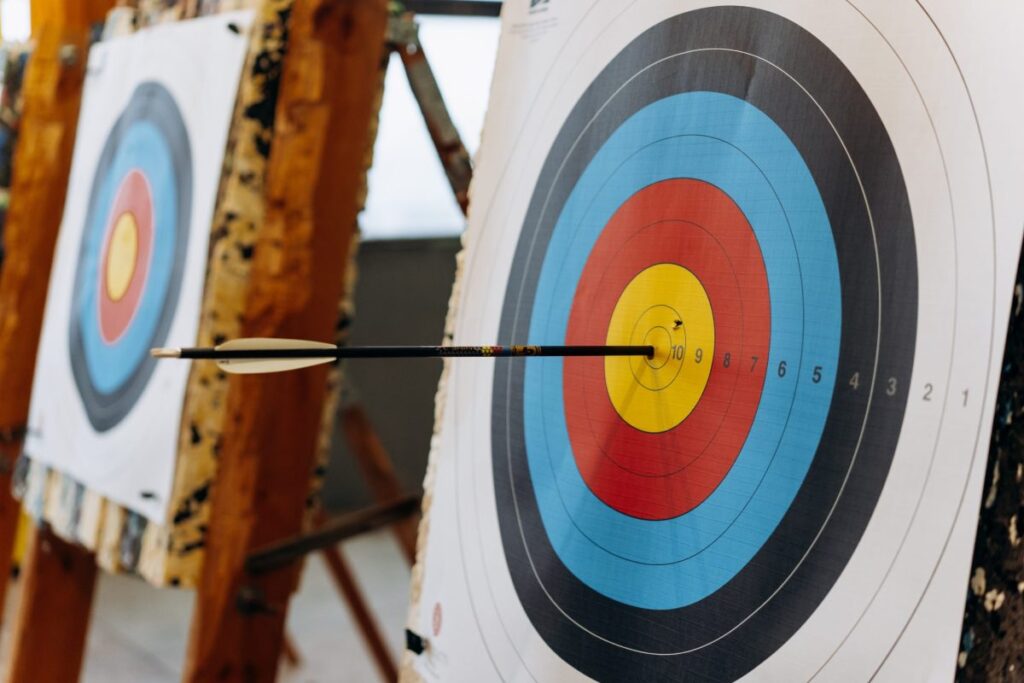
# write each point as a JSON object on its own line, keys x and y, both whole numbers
{"x": 790, "y": 202}
{"x": 131, "y": 257}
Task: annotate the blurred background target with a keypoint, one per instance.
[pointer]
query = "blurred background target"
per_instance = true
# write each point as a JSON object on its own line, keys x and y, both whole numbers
{"x": 132, "y": 254}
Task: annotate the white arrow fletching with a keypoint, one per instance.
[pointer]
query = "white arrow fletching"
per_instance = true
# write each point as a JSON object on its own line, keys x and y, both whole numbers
{"x": 259, "y": 366}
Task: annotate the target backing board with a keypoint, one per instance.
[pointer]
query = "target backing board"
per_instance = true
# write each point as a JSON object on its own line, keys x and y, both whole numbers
{"x": 131, "y": 257}
{"x": 813, "y": 210}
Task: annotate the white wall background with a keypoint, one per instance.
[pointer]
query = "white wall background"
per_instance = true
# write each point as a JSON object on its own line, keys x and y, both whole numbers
{"x": 14, "y": 19}
{"x": 409, "y": 195}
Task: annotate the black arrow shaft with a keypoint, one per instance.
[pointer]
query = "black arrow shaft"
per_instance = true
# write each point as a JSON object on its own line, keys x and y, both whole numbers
{"x": 416, "y": 352}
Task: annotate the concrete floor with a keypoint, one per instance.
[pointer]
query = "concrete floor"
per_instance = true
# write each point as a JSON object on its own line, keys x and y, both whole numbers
{"x": 139, "y": 633}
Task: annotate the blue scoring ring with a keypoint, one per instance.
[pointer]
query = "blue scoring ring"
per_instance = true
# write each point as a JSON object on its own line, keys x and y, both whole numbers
{"x": 150, "y": 137}
{"x": 729, "y": 143}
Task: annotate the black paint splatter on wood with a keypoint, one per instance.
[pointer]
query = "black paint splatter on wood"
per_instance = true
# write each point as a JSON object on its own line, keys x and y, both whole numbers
{"x": 191, "y": 505}
{"x": 268, "y": 64}
{"x": 992, "y": 640}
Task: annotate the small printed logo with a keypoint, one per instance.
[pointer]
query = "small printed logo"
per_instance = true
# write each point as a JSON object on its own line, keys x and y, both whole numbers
{"x": 538, "y": 5}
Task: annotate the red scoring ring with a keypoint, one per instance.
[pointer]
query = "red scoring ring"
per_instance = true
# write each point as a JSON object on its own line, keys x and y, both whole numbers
{"x": 660, "y": 476}
{"x": 133, "y": 196}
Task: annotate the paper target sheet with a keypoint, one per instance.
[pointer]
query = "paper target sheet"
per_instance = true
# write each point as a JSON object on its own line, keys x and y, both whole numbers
{"x": 131, "y": 257}
{"x": 813, "y": 210}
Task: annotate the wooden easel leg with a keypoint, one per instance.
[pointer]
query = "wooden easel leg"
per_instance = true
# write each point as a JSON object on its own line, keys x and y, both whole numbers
{"x": 290, "y": 651}
{"x": 378, "y": 471}
{"x": 42, "y": 163}
{"x": 346, "y": 584}
{"x": 48, "y": 642}
{"x": 314, "y": 174}
{"x": 10, "y": 512}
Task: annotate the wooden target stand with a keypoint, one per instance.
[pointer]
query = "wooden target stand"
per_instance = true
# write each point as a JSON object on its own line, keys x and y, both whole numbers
{"x": 394, "y": 508}
{"x": 52, "y": 94}
{"x": 294, "y": 172}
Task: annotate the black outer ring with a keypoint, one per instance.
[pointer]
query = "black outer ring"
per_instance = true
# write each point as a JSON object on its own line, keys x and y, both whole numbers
{"x": 150, "y": 102}
{"x": 733, "y": 630}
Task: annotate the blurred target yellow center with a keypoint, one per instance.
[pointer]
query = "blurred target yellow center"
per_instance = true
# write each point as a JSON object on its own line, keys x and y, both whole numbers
{"x": 664, "y": 306}
{"x": 121, "y": 256}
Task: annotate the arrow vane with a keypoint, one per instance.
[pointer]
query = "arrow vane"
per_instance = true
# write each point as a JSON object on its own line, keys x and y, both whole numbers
{"x": 262, "y": 355}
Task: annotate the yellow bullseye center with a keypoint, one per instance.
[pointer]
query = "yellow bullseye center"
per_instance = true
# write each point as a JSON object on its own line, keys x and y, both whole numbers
{"x": 664, "y": 306}
{"x": 121, "y": 256}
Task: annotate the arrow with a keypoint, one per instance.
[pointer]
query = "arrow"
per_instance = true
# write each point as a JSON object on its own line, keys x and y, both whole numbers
{"x": 262, "y": 355}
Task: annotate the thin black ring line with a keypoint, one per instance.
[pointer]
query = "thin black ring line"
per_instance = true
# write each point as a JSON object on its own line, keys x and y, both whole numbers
{"x": 992, "y": 331}
{"x": 728, "y": 258}
{"x": 638, "y": 151}
{"x": 871, "y": 388}
{"x": 893, "y": 418}
{"x": 945, "y": 401}
{"x": 775, "y": 452}
{"x": 792, "y": 401}
{"x": 512, "y": 477}
{"x": 483, "y": 561}
{"x": 605, "y": 454}
{"x": 732, "y": 391}
{"x": 464, "y": 565}
{"x": 647, "y": 361}
{"x": 718, "y": 426}
{"x": 778, "y": 200}
{"x": 471, "y": 263}
{"x": 544, "y": 418}
{"x": 101, "y": 286}
{"x": 470, "y": 269}
{"x": 858, "y": 401}
{"x": 461, "y": 326}
{"x": 650, "y": 331}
